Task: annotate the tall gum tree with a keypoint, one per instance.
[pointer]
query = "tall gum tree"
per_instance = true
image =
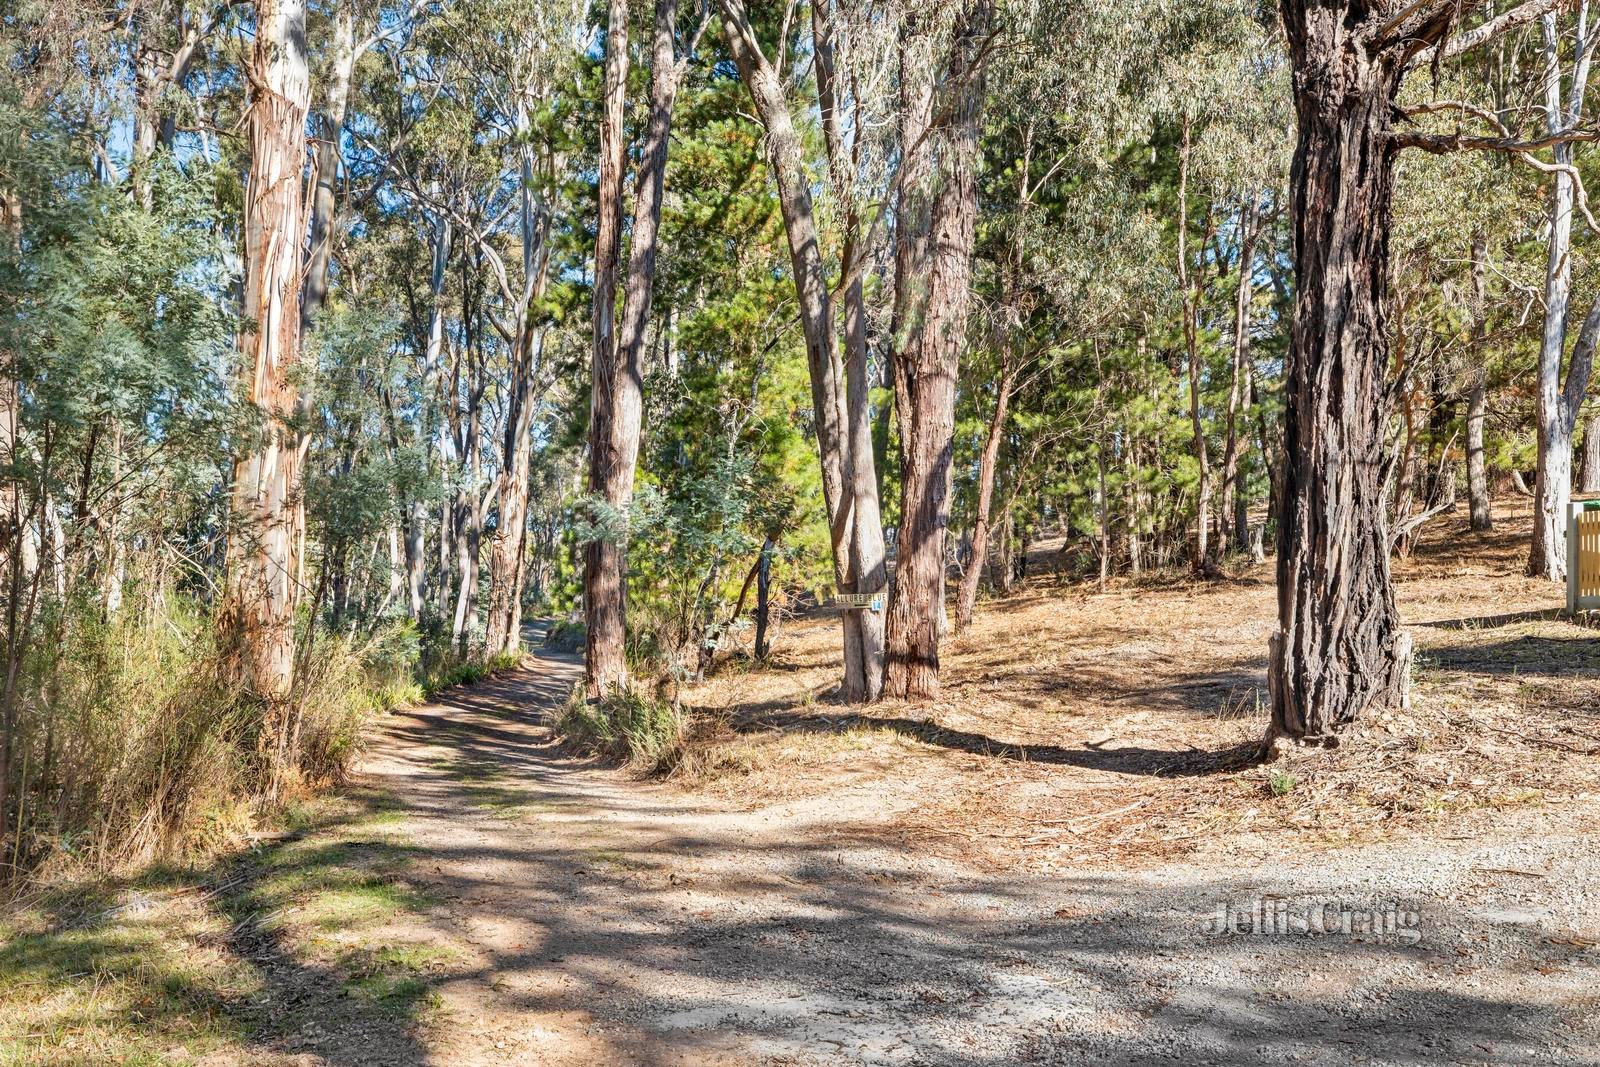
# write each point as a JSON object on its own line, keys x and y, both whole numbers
{"x": 267, "y": 522}
{"x": 1339, "y": 650}
{"x": 617, "y": 398}
{"x": 839, "y": 405}
{"x": 935, "y": 229}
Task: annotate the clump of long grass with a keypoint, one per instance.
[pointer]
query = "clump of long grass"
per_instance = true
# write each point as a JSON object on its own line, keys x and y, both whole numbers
{"x": 132, "y": 743}
{"x": 626, "y": 726}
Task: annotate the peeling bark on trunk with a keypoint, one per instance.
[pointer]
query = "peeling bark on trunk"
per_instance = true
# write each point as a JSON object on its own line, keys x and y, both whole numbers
{"x": 1339, "y": 650}
{"x": 266, "y": 519}
{"x": 618, "y": 393}
{"x": 935, "y": 221}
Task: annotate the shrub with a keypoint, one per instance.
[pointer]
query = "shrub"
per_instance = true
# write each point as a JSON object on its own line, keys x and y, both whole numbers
{"x": 133, "y": 744}
{"x": 566, "y": 635}
{"x": 625, "y": 726}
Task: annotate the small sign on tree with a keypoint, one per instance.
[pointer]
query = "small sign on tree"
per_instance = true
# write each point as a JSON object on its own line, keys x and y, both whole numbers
{"x": 855, "y": 602}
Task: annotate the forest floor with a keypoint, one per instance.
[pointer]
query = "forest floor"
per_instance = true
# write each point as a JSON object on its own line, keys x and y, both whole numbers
{"x": 1027, "y": 872}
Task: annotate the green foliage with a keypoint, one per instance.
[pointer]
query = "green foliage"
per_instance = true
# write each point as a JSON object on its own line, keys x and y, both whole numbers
{"x": 625, "y": 726}
{"x": 141, "y": 749}
{"x": 566, "y": 635}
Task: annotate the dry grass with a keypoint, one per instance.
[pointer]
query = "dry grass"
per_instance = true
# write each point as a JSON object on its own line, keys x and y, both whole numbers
{"x": 1121, "y": 726}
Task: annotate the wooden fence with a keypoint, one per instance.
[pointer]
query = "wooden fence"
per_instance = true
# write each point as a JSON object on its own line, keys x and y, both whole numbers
{"x": 1583, "y": 556}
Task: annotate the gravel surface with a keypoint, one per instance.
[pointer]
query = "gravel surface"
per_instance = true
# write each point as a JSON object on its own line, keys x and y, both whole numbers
{"x": 597, "y": 919}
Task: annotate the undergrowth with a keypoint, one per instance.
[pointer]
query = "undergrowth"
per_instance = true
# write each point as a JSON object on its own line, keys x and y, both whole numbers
{"x": 566, "y": 636}
{"x": 625, "y": 726}
{"x": 132, "y": 744}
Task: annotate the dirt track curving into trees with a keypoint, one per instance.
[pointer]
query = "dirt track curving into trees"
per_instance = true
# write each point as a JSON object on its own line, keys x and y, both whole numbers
{"x": 569, "y": 914}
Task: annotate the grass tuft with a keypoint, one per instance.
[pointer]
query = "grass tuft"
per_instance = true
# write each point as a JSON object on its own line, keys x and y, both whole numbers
{"x": 625, "y": 726}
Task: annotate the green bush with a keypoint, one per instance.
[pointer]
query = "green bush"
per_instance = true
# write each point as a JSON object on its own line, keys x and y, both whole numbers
{"x": 625, "y": 726}
{"x": 566, "y": 635}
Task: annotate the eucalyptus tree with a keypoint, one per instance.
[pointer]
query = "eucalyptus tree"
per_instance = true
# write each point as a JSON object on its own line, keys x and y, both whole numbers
{"x": 839, "y": 404}
{"x": 268, "y": 523}
{"x": 1340, "y": 650}
{"x": 1560, "y": 396}
{"x": 616, "y": 398}
{"x": 944, "y": 51}
{"x": 474, "y": 141}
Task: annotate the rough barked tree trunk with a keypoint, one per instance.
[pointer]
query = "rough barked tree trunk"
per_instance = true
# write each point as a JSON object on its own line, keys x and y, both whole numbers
{"x": 612, "y": 388}
{"x": 935, "y": 220}
{"x": 845, "y": 468}
{"x": 265, "y": 530}
{"x": 617, "y": 402}
{"x": 1339, "y": 649}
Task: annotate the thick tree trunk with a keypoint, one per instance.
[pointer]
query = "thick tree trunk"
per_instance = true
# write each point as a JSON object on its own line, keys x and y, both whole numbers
{"x": 612, "y": 387}
{"x": 841, "y": 417}
{"x": 265, "y": 528}
{"x": 988, "y": 461}
{"x": 935, "y": 220}
{"x": 618, "y": 392}
{"x": 1339, "y": 650}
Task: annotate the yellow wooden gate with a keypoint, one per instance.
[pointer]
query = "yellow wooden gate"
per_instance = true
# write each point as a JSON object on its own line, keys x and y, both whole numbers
{"x": 1583, "y": 556}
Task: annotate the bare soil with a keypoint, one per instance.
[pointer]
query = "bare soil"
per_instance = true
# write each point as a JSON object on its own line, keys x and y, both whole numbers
{"x": 1026, "y": 872}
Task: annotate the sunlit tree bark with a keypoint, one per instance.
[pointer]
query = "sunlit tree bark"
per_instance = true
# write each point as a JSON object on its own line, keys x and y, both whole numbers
{"x": 266, "y": 527}
{"x": 935, "y": 221}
